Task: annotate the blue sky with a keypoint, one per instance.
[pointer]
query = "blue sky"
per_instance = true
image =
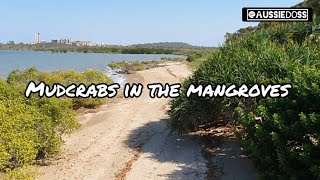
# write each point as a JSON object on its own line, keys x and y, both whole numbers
{"x": 201, "y": 22}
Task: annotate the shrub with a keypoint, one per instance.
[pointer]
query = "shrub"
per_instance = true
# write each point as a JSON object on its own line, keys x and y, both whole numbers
{"x": 118, "y": 65}
{"x": 286, "y": 143}
{"x": 89, "y": 77}
{"x": 22, "y": 173}
{"x": 32, "y": 128}
{"x": 22, "y": 78}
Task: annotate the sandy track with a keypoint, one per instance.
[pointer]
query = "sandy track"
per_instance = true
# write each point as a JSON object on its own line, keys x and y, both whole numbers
{"x": 128, "y": 139}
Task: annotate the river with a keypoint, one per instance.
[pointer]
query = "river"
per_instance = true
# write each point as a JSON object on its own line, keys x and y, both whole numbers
{"x": 48, "y": 61}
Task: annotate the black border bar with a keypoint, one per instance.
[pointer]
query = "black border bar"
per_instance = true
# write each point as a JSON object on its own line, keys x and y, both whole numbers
{"x": 245, "y": 14}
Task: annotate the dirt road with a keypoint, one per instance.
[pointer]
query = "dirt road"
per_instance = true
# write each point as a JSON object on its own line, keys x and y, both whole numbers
{"x": 128, "y": 139}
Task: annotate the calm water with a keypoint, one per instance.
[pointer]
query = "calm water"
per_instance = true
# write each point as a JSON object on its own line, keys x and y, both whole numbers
{"x": 47, "y": 61}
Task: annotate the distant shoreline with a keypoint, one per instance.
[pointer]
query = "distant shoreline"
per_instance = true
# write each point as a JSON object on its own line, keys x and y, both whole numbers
{"x": 155, "y": 48}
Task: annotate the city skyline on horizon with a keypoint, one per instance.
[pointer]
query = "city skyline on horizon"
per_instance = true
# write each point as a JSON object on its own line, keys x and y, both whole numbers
{"x": 125, "y": 23}
{"x": 37, "y": 40}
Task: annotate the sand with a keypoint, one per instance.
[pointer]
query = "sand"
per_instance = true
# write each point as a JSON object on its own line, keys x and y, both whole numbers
{"x": 128, "y": 138}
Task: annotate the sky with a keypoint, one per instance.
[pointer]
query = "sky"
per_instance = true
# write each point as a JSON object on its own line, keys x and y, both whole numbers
{"x": 125, "y": 22}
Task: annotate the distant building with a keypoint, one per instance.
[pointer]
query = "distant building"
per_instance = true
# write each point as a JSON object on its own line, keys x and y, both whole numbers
{"x": 65, "y": 41}
{"x": 37, "y": 39}
{"x": 85, "y": 43}
{"x": 82, "y": 43}
{"x": 74, "y": 43}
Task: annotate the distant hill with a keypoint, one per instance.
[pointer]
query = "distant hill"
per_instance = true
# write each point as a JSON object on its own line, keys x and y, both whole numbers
{"x": 169, "y": 45}
{"x": 314, "y": 4}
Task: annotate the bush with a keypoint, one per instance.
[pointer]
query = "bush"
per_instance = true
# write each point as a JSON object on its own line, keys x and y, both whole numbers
{"x": 286, "y": 143}
{"x": 22, "y": 173}
{"x": 89, "y": 77}
{"x": 22, "y": 78}
{"x": 32, "y": 128}
{"x": 118, "y": 65}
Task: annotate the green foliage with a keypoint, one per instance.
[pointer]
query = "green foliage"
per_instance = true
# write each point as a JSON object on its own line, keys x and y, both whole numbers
{"x": 149, "y": 48}
{"x": 139, "y": 65}
{"x": 170, "y": 45}
{"x": 118, "y": 65}
{"x": 286, "y": 143}
{"x": 23, "y": 173}
{"x": 239, "y": 34}
{"x": 133, "y": 66}
{"x": 32, "y": 128}
{"x": 96, "y": 49}
{"x": 195, "y": 55}
{"x": 146, "y": 51}
{"x": 18, "y": 77}
{"x": 22, "y": 78}
{"x": 314, "y": 4}
{"x": 88, "y": 77}
{"x": 127, "y": 67}
{"x": 172, "y": 59}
